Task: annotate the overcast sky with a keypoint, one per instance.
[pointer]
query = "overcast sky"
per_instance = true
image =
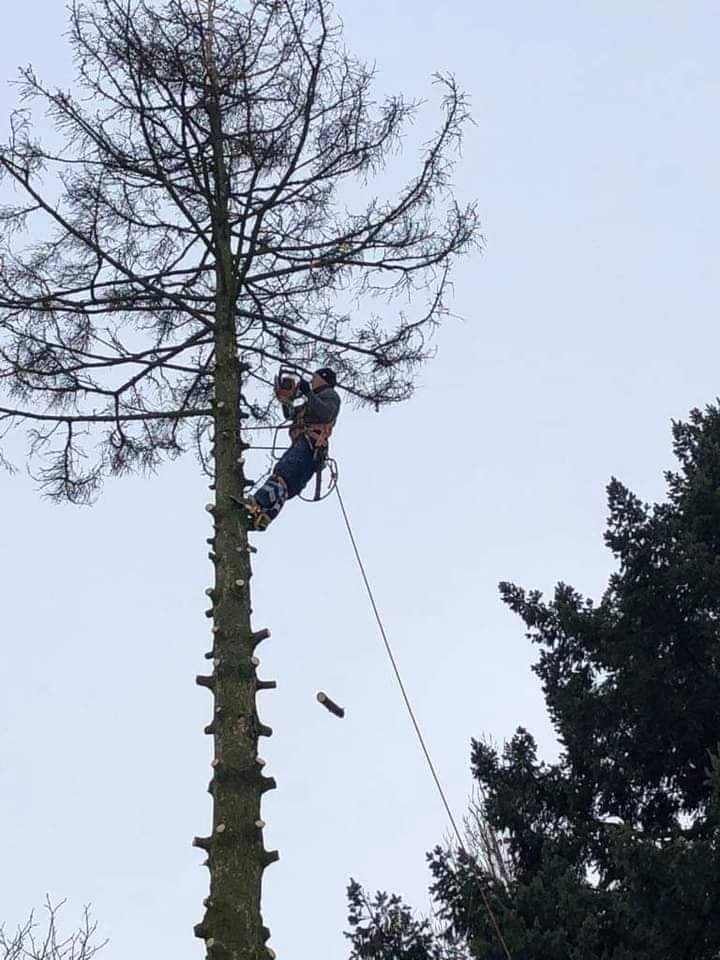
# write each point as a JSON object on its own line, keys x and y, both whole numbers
{"x": 589, "y": 322}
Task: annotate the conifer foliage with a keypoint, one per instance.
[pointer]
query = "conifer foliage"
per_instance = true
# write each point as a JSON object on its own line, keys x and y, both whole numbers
{"x": 613, "y": 852}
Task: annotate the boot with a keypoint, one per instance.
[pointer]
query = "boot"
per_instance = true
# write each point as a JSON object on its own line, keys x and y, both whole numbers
{"x": 259, "y": 520}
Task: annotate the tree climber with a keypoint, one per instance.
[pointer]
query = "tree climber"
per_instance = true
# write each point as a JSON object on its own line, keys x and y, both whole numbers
{"x": 312, "y": 424}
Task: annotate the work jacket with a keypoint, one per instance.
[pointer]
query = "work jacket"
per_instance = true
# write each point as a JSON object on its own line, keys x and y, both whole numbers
{"x": 316, "y": 417}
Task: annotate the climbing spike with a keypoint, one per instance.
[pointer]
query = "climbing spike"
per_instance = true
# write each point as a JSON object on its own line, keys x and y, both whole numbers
{"x": 210, "y": 507}
{"x": 210, "y": 729}
{"x": 209, "y": 613}
{"x": 270, "y": 856}
{"x": 200, "y": 931}
{"x": 212, "y": 557}
{"x": 210, "y": 592}
{"x": 266, "y": 684}
{"x": 202, "y": 842}
{"x": 216, "y": 630}
{"x": 210, "y": 541}
{"x": 209, "y": 655}
{"x": 203, "y": 681}
{"x": 255, "y": 661}
{"x": 264, "y": 731}
{"x": 215, "y": 763}
{"x": 260, "y": 762}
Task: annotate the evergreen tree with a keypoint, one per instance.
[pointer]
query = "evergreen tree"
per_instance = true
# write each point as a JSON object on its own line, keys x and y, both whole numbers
{"x": 612, "y": 853}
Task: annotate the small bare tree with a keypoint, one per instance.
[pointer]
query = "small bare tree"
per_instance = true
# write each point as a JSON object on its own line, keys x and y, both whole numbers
{"x": 30, "y": 942}
{"x": 205, "y": 209}
{"x": 483, "y": 844}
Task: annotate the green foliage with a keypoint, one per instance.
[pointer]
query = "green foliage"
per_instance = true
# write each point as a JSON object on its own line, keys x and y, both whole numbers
{"x": 384, "y": 927}
{"x": 612, "y": 852}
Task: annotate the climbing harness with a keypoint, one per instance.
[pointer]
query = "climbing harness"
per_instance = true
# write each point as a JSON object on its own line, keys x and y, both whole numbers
{"x": 317, "y": 433}
{"x": 421, "y": 739}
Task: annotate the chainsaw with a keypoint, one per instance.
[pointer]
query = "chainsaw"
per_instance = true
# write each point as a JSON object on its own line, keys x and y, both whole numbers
{"x": 286, "y": 385}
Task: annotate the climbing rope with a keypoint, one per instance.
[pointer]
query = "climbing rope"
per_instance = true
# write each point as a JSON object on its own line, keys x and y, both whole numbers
{"x": 413, "y": 718}
{"x": 332, "y": 466}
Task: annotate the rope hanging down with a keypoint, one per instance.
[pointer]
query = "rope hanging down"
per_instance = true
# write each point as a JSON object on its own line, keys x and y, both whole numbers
{"x": 416, "y": 725}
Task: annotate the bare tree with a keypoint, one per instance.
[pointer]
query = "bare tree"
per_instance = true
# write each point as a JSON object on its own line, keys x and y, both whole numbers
{"x": 482, "y": 843}
{"x": 206, "y": 208}
{"x": 29, "y": 942}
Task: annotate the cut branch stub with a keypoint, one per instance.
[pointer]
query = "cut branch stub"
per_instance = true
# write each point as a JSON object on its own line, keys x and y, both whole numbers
{"x": 260, "y": 635}
{"x": 330, "y": 705}
{"x": 267, "y": 784}
{"x": 208, "y": 682}
{"x": 269, "y": 856}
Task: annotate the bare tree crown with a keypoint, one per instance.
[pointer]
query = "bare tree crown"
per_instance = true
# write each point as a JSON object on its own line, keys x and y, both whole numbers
{"x": 213, "y": 167}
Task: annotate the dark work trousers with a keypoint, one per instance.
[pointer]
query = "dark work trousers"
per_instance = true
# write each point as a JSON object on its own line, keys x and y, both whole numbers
{"x": 291, "y": 475}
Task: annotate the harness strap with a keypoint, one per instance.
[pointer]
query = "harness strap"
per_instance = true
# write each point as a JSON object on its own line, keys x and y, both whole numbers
{"x": 318, "y": 480}
{"x": 317, "y": 433}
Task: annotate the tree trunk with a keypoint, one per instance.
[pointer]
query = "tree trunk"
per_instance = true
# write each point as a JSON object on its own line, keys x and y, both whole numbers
{"x": 232, "y": 927}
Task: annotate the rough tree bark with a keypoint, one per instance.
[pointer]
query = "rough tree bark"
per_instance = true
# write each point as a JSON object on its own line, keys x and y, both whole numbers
{"x": 233, "y": 925}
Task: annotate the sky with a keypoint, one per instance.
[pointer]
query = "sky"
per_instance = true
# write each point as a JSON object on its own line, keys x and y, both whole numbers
{"x": 587, "y": 324}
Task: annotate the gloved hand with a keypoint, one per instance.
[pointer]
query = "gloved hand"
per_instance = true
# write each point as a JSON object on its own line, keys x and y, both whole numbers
{"x": 304, "y": 388}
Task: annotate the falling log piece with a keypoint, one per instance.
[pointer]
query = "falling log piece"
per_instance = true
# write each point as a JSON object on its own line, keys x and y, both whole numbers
{"x": 330, "y": 705}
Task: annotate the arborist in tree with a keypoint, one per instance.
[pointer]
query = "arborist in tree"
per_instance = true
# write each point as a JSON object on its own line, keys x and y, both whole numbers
{"x": 310, "y": 429}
